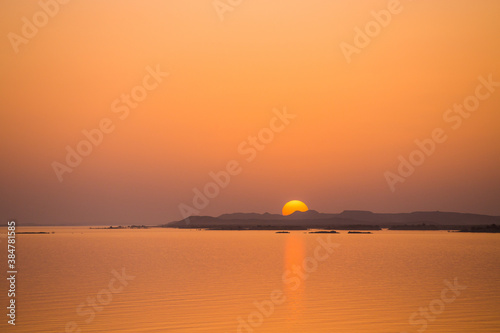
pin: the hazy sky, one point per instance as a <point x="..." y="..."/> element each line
<point x="351" y="114"/>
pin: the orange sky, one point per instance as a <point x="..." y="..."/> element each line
<point x="225" y="78"/>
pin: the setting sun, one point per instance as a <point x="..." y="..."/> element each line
<point x="293" y="206"/>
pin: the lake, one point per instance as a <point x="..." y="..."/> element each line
<point x="167" y="280"/>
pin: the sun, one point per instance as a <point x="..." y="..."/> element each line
<point x="293" y="206"/>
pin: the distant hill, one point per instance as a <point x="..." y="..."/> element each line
<point x="314" y="219"/>
<point x="310" y="215"/>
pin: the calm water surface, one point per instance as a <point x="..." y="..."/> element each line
<point x="254" y="281"/>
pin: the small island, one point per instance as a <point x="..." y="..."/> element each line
<point x="122" y="227"/>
